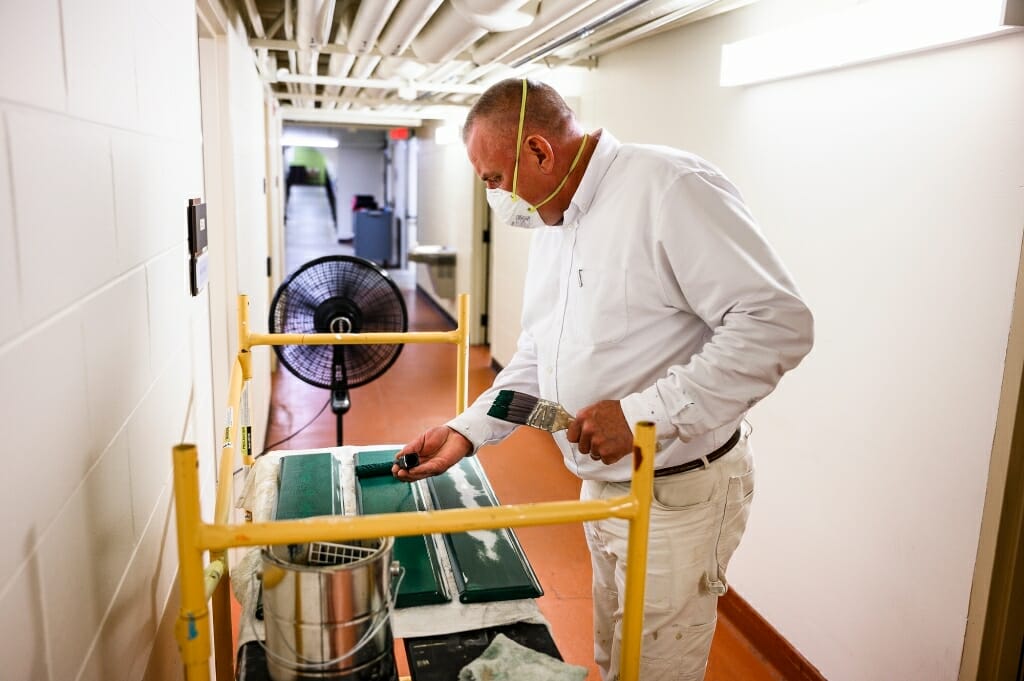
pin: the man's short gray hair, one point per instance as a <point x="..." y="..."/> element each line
<point x="546" y="111"/>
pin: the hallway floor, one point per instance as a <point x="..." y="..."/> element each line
<point x="419" y="392"/>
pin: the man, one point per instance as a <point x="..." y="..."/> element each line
<point x="650" y="295"/>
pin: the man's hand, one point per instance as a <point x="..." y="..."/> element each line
<point x="439" y="448"/>
<point x="602" y="432"/>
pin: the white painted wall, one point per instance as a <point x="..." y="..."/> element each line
<point x="893" y="193"/>
<point x="358" y="168"/>
<point x="446" y="212"/>
<point x="105" y="359"/>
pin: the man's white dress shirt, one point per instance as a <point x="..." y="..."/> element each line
<point x="658" y="290"/>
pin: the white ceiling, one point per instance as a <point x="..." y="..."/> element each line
<point x="396" y="62"/>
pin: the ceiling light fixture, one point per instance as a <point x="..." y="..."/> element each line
<point x="298" y="139"/>
<point x="862" y="33"/>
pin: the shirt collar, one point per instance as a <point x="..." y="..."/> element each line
<point x="604" y="153"/>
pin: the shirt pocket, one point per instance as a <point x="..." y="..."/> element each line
<point x="598" y="305"/>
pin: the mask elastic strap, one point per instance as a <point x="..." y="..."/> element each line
<point x="519" y="140"/>
<point x="565" y="179"/>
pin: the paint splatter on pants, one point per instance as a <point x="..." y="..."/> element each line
<point x="697" y="520"/>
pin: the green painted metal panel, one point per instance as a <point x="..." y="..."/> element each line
<point x="378" y="492"/>
<point x="489" y="565"/>
<point x="308" y="485"/>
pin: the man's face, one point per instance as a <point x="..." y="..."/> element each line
<point x="492" y="155"/>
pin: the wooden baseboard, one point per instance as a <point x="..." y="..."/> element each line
<point x="767" y="640"/>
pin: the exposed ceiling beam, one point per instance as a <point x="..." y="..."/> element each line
<point x="379" y="84"/>
<point x="368" y="101"/>
<point x="384" y="118"/>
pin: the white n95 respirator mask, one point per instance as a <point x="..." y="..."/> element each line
<point x="508" y="205"/>
<point x="513" y="210"/>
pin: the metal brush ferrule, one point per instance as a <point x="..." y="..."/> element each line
<point x="549" y="416"/>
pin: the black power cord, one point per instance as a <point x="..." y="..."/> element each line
<point x="308" y="424"/>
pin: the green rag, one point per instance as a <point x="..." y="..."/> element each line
<point x="506" y="660"/>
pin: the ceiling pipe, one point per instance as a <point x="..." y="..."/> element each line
<point x="368" y="24"/>
<point x="289" y="34"/>
<point x="364" y="66"/>
<point x="386" y="118"/>
<point x="406" y="22"/>
<point x="338" y="65"/>
<point x="396" y="67"/>
<point x="276" y="26"/>
<point x="579" y="26"/>
<point x="445" y="71"/>
<point x="378" y="83"/>
<point x="633" y="31"/>
<point x="312" y="29"/>
<point x="639" y="16"/>
<point x="449" y="32"/>
<point x="314" y="20"/>
<point x="552" y="12"/>
<point x="257" y="28"/>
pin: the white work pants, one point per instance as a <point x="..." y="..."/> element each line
<point x="697" y="519"/>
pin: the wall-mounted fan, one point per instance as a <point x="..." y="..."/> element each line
<point x="338" y="294"/>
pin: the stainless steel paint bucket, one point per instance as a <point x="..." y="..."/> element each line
<point x="327" y="611"/>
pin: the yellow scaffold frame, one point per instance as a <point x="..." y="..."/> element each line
<point x="199" y="585"/>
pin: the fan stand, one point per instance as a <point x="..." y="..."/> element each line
<point x="339" y="295"/>
<point x="340" y="402"/>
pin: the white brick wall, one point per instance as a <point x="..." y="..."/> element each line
<point x="104" y="356"/>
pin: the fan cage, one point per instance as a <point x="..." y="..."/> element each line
<point x="333" y="288"/>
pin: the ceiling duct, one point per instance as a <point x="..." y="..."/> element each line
<point x="552" y="12"/>
<point x="450" y="32"/>
<point x="494" y="15"/>
<point x="447" y="34"/>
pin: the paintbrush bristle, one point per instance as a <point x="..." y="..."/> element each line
<point x="512" y="406"/>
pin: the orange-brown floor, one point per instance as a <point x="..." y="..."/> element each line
<point x="418" y="392"/>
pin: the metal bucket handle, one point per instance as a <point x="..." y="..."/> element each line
<point x="398" y="572"/>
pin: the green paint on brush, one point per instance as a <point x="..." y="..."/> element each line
<point x="499" y="408"/>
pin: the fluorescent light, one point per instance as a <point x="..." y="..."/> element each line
<point x="299" y="139"/>
<point x="385" y="118"/>
<point x="861" y="33"/>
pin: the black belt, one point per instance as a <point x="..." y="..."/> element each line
<point x="699" y="463"/>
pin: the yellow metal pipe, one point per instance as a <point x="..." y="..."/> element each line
<point x="225" y="469"/>
<point x="243" y="323"/>
<point x="354" y="338"/>
<point x="462" y="363"/>
<point x="641" y="488"/>
<point x="343" y="528"/>
<point x="220" y="606"/>
<point x="192" y="629"/>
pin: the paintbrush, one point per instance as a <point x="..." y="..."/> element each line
<point x="517" y="407"/>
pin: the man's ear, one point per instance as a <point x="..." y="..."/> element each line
<point x="539" y="152"/>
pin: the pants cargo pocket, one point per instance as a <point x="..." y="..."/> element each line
<point x="688" y="654"/>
